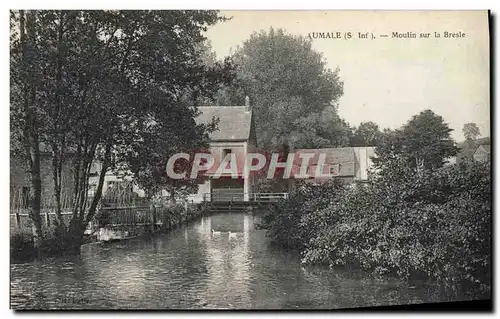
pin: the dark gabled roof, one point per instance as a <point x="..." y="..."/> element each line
<point x="234" y="122"/>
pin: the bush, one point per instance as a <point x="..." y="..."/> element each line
<point x="287" y="222"/>
<point x="20" y="241"/>
<point x="434" y="225"/>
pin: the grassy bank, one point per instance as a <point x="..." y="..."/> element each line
<point x="435" y="226"/>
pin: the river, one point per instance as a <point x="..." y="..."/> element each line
<point x="190" y="267"/>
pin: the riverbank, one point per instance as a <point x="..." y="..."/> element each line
<point x="22" y="246"/>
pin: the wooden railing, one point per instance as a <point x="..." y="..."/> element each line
<point x="239" y="197"/>
<point x="160" y="216"/>
<point x="20" y="220"/>
<point x="268" y="197"/>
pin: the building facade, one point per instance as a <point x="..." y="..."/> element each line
<point x="234" y="138"/>
<point x="347" y="163"/>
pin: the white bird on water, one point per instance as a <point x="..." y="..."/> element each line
<point x="215" y="232"/>
<point x="232" y="235"/>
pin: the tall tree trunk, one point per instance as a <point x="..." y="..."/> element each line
<point x="79" y="223"/>
<point x="98" y="194"/>
<point x="36" y="193"/>
<point x="77" y="170"/>
<point x="30" y="132"/>
<point x="58" y="144"/>
<point x="57" y="177"/>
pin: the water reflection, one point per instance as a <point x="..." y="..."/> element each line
<point x="229" y="270"/>
<point x="191" y="268"/>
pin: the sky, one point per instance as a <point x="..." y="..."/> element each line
<point x="388" y="80"/>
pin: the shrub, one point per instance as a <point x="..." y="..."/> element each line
<point x="287" y="223"/>
<point x="434" y="225"/>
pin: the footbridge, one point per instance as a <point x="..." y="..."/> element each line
<point x="227" y="202"/>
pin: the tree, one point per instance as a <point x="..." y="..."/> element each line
<point x="320" y="130"/>
<point x="471" y="131"/>
<point x="25" y="116"/>
<point x="422" y="143"/>
<point x="469" y="146"/>
<point x="207" y="56"/>
<point x="95" y="80"/>
<point x="366" y="134"/>
<point x="147" y="157"/>
<point x="288" y="84"/>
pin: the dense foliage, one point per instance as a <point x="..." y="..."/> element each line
<point x="424" y="142"/>
<point x="293" y="94"/>
<point x="109" y="86"/>
<point x="366" y="134"/>
<point x="434" y="226"/>
<point x="431" y="222"/>
<point x="288" y="223"/>
<point x="471" y="131"/>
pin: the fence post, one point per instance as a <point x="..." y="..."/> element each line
<point x="47" y="220"/>
<point x="18" y="220"/>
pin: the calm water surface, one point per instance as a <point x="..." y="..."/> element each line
<point x="191" y="268"/>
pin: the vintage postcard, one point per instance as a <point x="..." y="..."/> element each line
<point x="216" y="160"/>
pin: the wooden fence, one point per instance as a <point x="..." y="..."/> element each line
<point x="20" y="220"/>
<point x="116" y="217"/>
